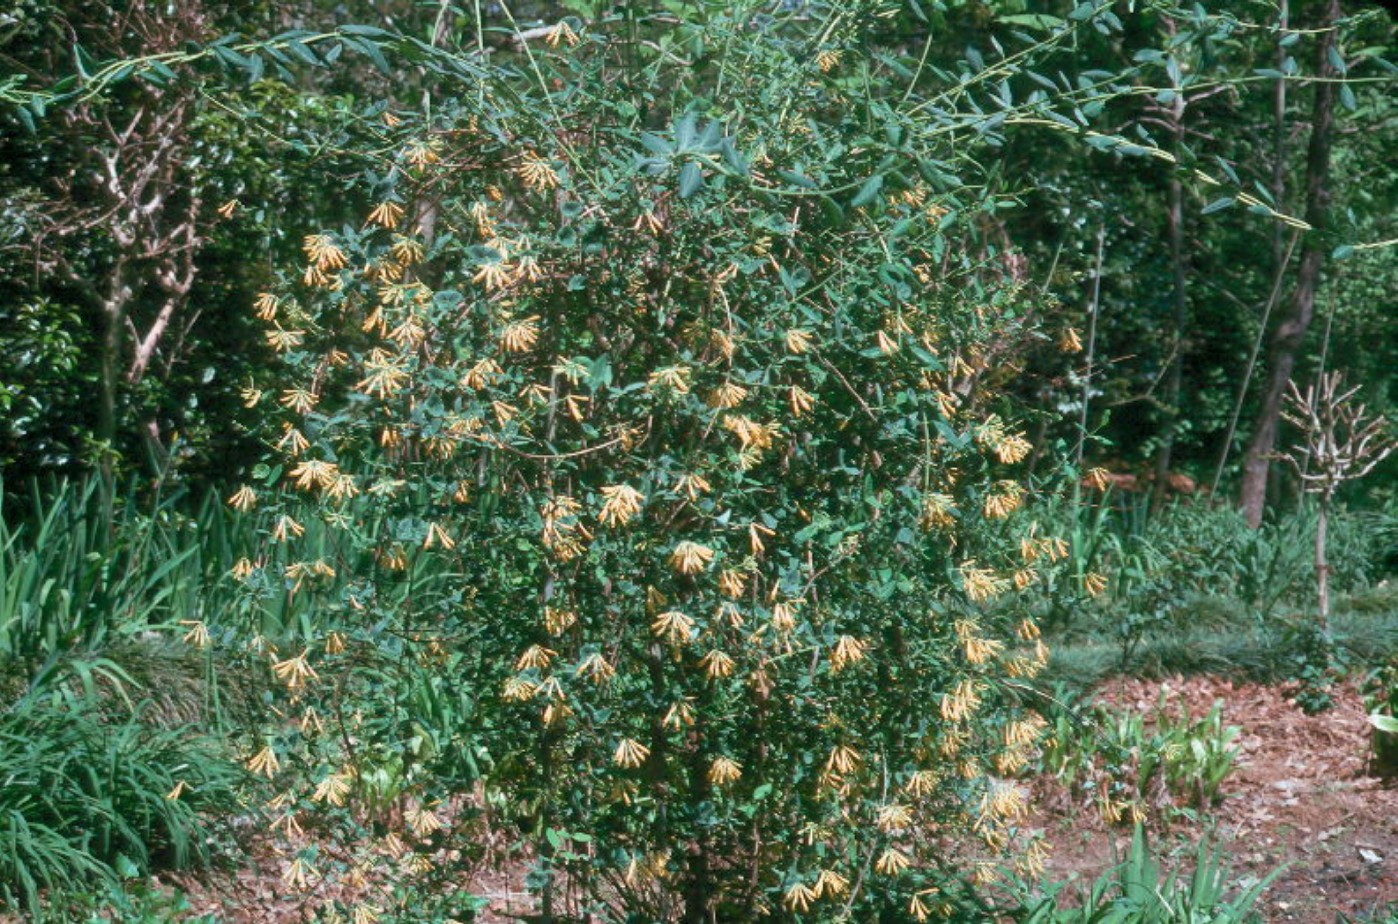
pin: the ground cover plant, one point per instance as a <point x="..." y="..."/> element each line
<point x="111" y="767"/>
<point x="1136" y="891"/>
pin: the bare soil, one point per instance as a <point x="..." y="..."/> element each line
<point x="1299" y="797"/>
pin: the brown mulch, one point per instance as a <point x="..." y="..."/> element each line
<point x="1300" y="795"/>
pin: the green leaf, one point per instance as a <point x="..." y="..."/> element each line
<point x="81" y="59"/>
<point x="685" y="132"/>
<point x="868" y="191"/>
<point x="691" y="180"/>
<point x="831" y="211"/>
<point x="371" y="51"/>
<point x="366" y="31"/>
<point x="1039" y="21"/>
<point x="797" y="179"/>
<point x="656" y="144"/>
<point x="1337" y="60"/>
<point x="230" y="57"/>
<point x="1218" y="205"/>
<point x="1384" y="723"/>
<point x="302" y="51"/>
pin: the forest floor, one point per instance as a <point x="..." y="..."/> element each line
<point x="1298" y="799"/>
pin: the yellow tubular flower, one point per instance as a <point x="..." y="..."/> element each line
<point x="386" y="215"/>
<point x="848" y="650"/>
<point x="622" y="502"/>
<point x="673" y="626"/>
<point x="831" y="884"/>
<point x="732" y="582"/>
<point x="802" y="401"/>
<point x="690" y="557"/>
<point x="892" y="862"/>
<point x="264" y="763"/>
<point x="198" y="634"/>
<point x="520" y="336"/>
<point x="535" y="656"/>
<point x="538" y="174"/>
<point x="798" y="341"/>
<point x="843" y="759"/>
<point x="630" y="753"/>
<point x="724" y="770"/>
<point x="295" y="672"/>
<point x="596" y="668"/>
<point x="243" y="500"/>
<point x="799" y="897"/>
<point x="728" y="395"/>
<point x="717" y="664"/>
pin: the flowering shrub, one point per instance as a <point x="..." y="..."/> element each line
<point x="651" y="417"/>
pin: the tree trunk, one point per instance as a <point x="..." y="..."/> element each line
<point x="113" y="307"/>
<point x="1279" y="141"/>
<point x="1175" y="376"/>
<point x="1290" y="334"/>
<point x="1322" y="564"/>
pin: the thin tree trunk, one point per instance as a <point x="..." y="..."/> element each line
<point x="1291" y="329"/>
<point x="1322" y="564"/>
<point x="113" y="307"/>
<point x="1279" y="142"/>
<point x="1174" y="378"/>
<point x="698" y="881"/>
<point x="429" y="207"/>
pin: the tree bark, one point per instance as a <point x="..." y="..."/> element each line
<point x="1286" y="341"/>
<point x="113" y="307"/>
<point x="1322" y="564"/>
<point x="1175" y="376"/>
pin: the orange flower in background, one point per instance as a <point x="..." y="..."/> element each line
<point x="630" y="753"/>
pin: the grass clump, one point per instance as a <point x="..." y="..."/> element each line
<point x="90" y="798"/>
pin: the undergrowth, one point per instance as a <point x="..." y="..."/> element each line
<point x="96" y="792"/>
<point x="108" y="757"/>
<point x="1195" y="591"/>
<point x="1136" y="891"/>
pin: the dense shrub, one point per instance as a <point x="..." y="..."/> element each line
<point x="653" y="418"/>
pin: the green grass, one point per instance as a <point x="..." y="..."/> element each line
<point x="102" y="717"/>
<point x="93" y="793"/>
<point x="78" y="574"/>
<point x="1195" y="591"/>
<point x="1367" y="634"/>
